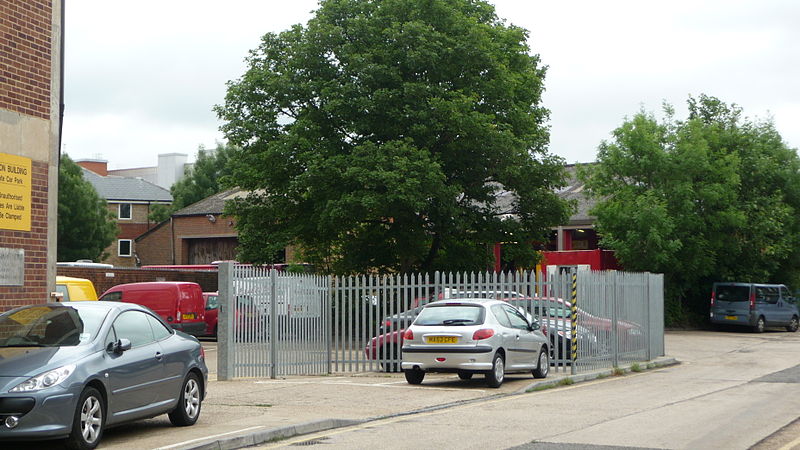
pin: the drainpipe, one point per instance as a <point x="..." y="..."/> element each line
<point x="172" y="237"/>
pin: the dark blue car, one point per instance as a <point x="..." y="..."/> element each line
<point x="70" y="370"/>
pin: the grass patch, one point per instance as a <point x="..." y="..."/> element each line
<point x="566" y="381"/>
<point x="542" y="387"/>
<point x="635" y="367"/>
<point x="617" y="372"/>
<point x="651" y="365"/>
<point x="600" y="376"/>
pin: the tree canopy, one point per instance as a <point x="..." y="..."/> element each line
<point x="85" y="225"/>
<point x="392" y="136"/>
<point x="202" y="180"/>
<point x="710" y="198"/>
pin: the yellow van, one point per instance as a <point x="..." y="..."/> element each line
<point x="75" y="289"/>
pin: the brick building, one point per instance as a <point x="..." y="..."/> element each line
<point x="31" y="37"/>
<point x="130" y="200"/>
<point x="196" y="234"/>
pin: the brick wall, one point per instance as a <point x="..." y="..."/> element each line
<point x="34" y="243"/>
<point x="129" y="229"/>
<point x="208" y="280"/>
<point x="25" y="40"/>
<point x="155" y="248"/>
<point x="27" y="83"/>
<point x="193" y="227"/>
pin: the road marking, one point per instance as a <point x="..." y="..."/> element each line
<point x="179" y="444"/>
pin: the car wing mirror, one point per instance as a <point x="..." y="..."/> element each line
<point x="120" y="346"/>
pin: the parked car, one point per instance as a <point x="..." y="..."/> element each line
<point x="753" y="305"/>
<point x="211" y="300"/>
<point x="179" y="303"/>
<point x="469" y="336"/>
<point x="71" y="370"/>
<point x="72" y="289"/>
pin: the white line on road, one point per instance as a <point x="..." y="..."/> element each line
<point x="179" y="444"/>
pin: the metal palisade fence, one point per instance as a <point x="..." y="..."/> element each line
<point x="321" y="324"/>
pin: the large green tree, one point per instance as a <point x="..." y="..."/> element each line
<point x="201" y="180"/>
<point x="392" y="135"/>
<point x="85" y="225"/>
<point x="710" y="198"/>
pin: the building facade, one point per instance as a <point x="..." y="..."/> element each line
<point x="130" y="200"/>
<point x="30" y="127"/>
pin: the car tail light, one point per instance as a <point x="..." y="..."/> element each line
<point x="712" y="298"/>
<point x="387" y="323"/>
<point x="544" y="328"/>
<point x="483" y="333"/>
<point x="178" y="317"/>
<point x="752" y="300"/>
<point x="408" y="335"/>
<point x="202" y="352"/>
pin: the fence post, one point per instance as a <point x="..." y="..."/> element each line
<point x="328" y="311"/>
<point x="649" y="320"/>
<point x="574" y="325"/>
<point x="614" y="337"/>
<point x="225" y="352"/>
<point x="273" y="322"/>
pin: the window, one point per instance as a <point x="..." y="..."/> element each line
<point x="134" y="326"/>
<point x="501" y="316"/>
<point x="125" y="211"/>
<point x="517" y="320"/>
<point x="124" y="247"/>
<point x="159" y="330"/>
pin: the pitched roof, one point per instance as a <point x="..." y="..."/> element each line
<point x="116" y="189"/>
<point x="213" y="204"/>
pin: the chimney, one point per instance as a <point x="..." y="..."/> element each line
<point x="98" y="166"/>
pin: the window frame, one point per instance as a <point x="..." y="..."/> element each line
<point x="130" y="248"/>
<point x="130" y="211"/>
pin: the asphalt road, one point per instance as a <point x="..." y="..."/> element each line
<point x="733" y="390"/>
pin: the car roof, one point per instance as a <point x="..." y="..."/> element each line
<point x="461" y="301"/>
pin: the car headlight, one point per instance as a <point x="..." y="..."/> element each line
<point x="45" y="380"/>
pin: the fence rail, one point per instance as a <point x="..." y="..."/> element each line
<point x="274" y="324"/>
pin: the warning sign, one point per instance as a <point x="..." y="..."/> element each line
<point x="15" y="192"/>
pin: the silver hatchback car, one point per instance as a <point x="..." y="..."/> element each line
<point x="469" y="336"/>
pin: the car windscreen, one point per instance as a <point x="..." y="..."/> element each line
<point x="451" y="315"/>
<point x="50" y="326"/>
<point x="730" y="293"/>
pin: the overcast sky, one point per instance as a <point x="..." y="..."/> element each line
<point x="141" y="77"/>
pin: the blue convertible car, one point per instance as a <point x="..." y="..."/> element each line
<point x="70" y="370"/>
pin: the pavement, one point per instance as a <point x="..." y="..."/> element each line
<point x="247" y="412"/>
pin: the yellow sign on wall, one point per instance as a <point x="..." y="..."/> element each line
<point x="15" y="192"/>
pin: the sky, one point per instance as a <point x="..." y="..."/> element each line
<point x="141" y="78"/>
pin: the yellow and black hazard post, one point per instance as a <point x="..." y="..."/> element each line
<point x="574" y="321"/>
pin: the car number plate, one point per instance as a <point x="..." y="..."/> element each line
<point x="187" y="316"/>
<point x="442" y="339"/>
<point x="731" y="318"/>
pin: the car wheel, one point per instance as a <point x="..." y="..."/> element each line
<point x="543" y="366"/>
<point x="187" y="410"/>
<point x="465" y="375"/>
<point x="414" y="376"/>
<point x="793" y="325"/>
<point x="760" y="325"/>
<point x="495" y="376"/>
<point x="89" y="420"/>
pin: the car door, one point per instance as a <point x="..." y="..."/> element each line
<point x="769" y="308"/>
<point x="786" y="305"/>
<point x="525" y="347"/>
<point x="175" y="359"/>
<point x="133" y="374"/>
<point x="508" y="333"/>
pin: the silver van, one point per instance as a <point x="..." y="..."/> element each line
<point x="754" y="305"/>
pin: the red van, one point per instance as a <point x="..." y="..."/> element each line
<point x="180" y="303"/>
